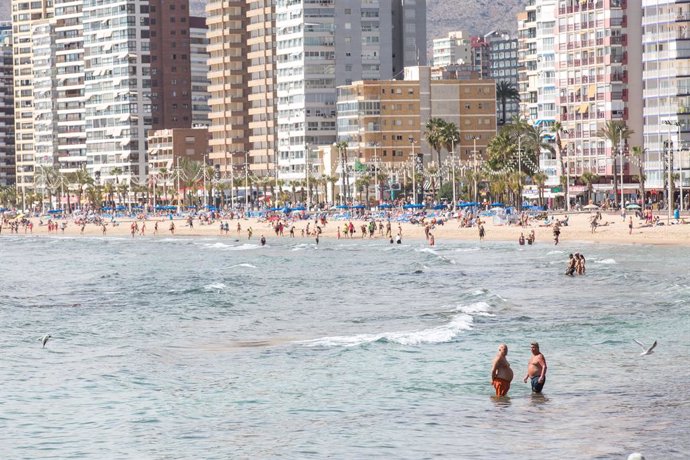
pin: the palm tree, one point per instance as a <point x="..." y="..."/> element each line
<point x="434" y="135"/>
<point x="450" y="137"/>
<point x="589" y="178"/>
<point x="639" y="153"/>
<point x="83" y="179"/>
<point x="505" y="91"/>
<point x="616" y="132"/>
<point x="540" y="178"/>
<point x="557" y="130"/>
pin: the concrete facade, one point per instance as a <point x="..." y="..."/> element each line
<point x="7" y="162"/>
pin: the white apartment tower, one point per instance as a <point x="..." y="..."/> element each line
<point x="24" y="15"/>
<point x="323" y="44"/>
<point x="666" y="74"/>
<point x="527" y="57"/>
<point x="198" y="56"/>
<point x="7" y="168"/>
<point x="546" y="63"/>
<point x="452" y="49"/>
<point x="117" y="88"/>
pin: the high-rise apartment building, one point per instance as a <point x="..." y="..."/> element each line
<point x="171" y="98"/>
<point x="24" y="16"/>
<point x="241" y="46"/>
<point x="666" y="74"/>
<point x="453" y="49"/>
<point x="117" y="88"/>
<point x="503" y="67"/>
<point x="325" y="44"/>
<point x="7" y="167"/>
<point x="384" y="121"/>
<point x="546" y="109"/>
<point x="198" y="56"/>
<point x="527" y="57"/>
<point x="409" y="32"/>
<point x="599" y="79"/>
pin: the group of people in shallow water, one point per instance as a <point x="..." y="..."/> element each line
<point x="576" y="264"/>
<point x="502" y="374"/>
<point x="530" y="238"/>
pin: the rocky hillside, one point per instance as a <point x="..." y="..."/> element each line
<point x="474" y="16"/>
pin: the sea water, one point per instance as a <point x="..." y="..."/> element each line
<point x="220" y="348"/>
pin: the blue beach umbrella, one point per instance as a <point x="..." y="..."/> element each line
<point x="385" y="206"/>
<point x="341" y="206"/>
<point x="440" y="206"/>
<point x="299" y="208"/>
<point x="357" y="206"/>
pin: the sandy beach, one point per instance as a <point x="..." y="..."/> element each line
<point x="614" y="230"/>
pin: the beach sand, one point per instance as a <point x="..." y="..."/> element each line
<point x="614" y="231"/>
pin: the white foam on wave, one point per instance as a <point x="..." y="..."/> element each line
<point x="215" y="286"/>
<point x="435" y="253"/>
<point x="243" y="266"/>
<point x="477" y="309"/>
<point x="230" y="247"/>
<point x="438" y="334"/>
<point x="556" y="252"/>
<point x="606" y="261"/>
<point x="467" y="249"/>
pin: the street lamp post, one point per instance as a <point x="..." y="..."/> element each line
<point x="452" y="156"/>
<point x="246" y="183"/>
<point x="414" y="172"/>
<point x="376" y="174"/>
<point x="520" y="172"/>
<point x="474" y="167"/>
<point x="669" y="153"/>
<point x="307" y="172"/>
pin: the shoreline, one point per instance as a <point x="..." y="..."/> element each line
<point x="614" y="231"/>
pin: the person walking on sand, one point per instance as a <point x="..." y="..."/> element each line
<point x="482" y="232"/>
<point x="501" y="373"/>
<point x="536" y="369"/>
<point x="630" y="226"/>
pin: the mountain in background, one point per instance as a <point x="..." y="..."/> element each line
<point x="476" y="17"/>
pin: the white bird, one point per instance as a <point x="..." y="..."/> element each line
<point x="647" y="351"/>
<point x="45" y="339"/>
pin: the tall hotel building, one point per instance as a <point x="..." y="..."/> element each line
<point x="323" y="44"/>
<point x="269" y="115"/>
<point x="241" y="77"/>
<point x="7" y="168"/>
<point x="24" y="15"/>
<point x="117" y="88"/>
<point x="599" y="78"/>
<point x="666" y="61"/>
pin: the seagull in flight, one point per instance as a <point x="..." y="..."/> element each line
<point x="45" y="339"/>
<point x="647" y="351"/>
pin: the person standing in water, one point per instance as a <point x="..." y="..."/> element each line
<point x="536" y="369"/>
<point x="501" y="373"/>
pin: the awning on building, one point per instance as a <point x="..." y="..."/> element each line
<point x="584" y="108"/>
<point x="592" y="91"/>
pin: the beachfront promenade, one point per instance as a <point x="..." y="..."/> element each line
<point x="612" y="229"/>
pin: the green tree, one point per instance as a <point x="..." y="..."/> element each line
<point x="505" y="92"/>
<point x="557" y="130"/>
<point x="617" y="133"/>
<point x="639" y="154"/>
<point x="589" y="178"/>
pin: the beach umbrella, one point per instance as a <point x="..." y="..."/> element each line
<point x="440" y="206"/>
<point x="299" y="208"/>
<point x="357" y="206"/>
<point x="590" y="207"/>
<point x="413" y="206"/>
<point x="55" y="211"/>
<point x="120" y="208"/>
<point x="632" y="206"/>
<point x="385" y="206"/>
<point x="468" y="204"/>
<point x="497" y="205"/>
<point x="341" y="206"/>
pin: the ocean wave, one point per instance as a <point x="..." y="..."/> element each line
<point x="243" y="266"/>
<point x="555" y="252"/>
<point x="215" y="286"/>
<point x="433" y="252"/>
<point x="468" y="249"/>
<point x="439" y="334"/>
<point x="230" y="247"/>
<point x="477" y="308"/>
<point x="606" y="261"/>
